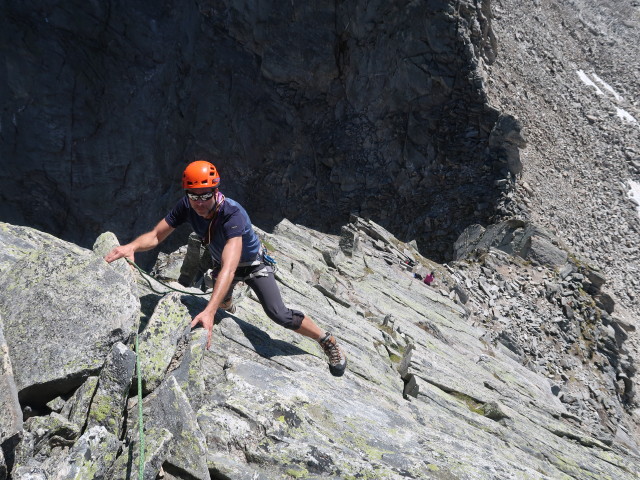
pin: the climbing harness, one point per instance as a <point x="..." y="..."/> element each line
<point x="263" y="257"/>
<point x="270" y="266"/>
<point x="241" y="274"/>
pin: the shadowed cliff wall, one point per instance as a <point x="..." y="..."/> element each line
<point x="311" y="110"/>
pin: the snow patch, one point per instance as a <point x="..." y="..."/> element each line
<point x="634" y="194"/>
<point x="607" y="87"/>
<point x="625" y="116"/>
<point x="621" y="113"/>
<point x="587" y="81"/>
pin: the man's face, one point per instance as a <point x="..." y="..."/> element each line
<point x="199" y="201"/>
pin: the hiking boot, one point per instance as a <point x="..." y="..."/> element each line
<point x="337" y="358"/>
<point x="228" y="306"/>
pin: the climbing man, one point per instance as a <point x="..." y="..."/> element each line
<point x="223" y="225"/>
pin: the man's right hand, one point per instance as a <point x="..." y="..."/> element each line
<point x="144" y="242"/>
<point x="126" y="251"/>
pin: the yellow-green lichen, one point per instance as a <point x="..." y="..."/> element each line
<point x="372" y="453"/>
<point x="269" y="246"/>
<point x="100" y="409"/>
<point x="297" y="473"/>
<point x="472" y="404"/>
<point x="88" y="469"/>
<point x="395" y="358"/>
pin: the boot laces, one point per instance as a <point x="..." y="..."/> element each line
<point x="331" y="349"/>
<point x="228" y="306"/>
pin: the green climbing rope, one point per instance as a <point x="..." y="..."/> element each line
<point x="147" y="278"/>
<point x="140" y="424"/>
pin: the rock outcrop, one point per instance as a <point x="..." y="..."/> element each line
<point x="452" y="380"/>
<point x="62" y="310"/>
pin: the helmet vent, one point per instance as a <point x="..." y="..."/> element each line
<point x="200" y="174"/>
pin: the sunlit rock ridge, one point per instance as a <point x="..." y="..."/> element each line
<point x="436" y="387"/>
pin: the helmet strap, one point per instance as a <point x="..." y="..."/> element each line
<point x="214" y="216"/>
<point x="218" y="198"/>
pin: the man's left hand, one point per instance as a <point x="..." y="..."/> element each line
<point x="206" y="319"/>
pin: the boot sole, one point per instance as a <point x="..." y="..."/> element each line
<point x="338" y="371"/>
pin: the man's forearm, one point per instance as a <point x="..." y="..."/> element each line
<point x="146" y="241"/>
<point x="152" y="238"/>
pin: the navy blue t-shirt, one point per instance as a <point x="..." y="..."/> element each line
<point x="232" y="221"/>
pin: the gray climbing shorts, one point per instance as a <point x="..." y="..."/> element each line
<point x="261" y="280"/>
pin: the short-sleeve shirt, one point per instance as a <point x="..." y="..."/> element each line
<point x="232" y="221"/>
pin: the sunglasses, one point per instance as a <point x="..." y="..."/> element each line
<point x="203" y="197"/>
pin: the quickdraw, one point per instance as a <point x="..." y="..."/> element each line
<point x="269" y="260"/>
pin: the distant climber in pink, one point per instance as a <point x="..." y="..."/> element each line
<point x="429" y="278"/>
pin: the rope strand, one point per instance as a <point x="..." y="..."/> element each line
<point x="146" y="277"/>
<point x="140" y="421"/>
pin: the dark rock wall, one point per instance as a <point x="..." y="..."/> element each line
<point x="311" y="110"/>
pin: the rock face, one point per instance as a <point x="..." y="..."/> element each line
<point x="323" y="108"/>
<point x="519" y="361"/>
<point x="514" y="237"/>
<point x="10" y="410"/>
<point x="52" y="296"/>
<point x="501" y="368"/>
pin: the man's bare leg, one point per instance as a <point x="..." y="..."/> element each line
<point x="308" y="328"/>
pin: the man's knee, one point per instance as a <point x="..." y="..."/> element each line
<point x="289" y="319"/>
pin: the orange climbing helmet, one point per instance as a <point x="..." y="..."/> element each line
<point x="200" y="174"/>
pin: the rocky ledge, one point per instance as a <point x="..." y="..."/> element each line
<point x="511" y="364"/>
